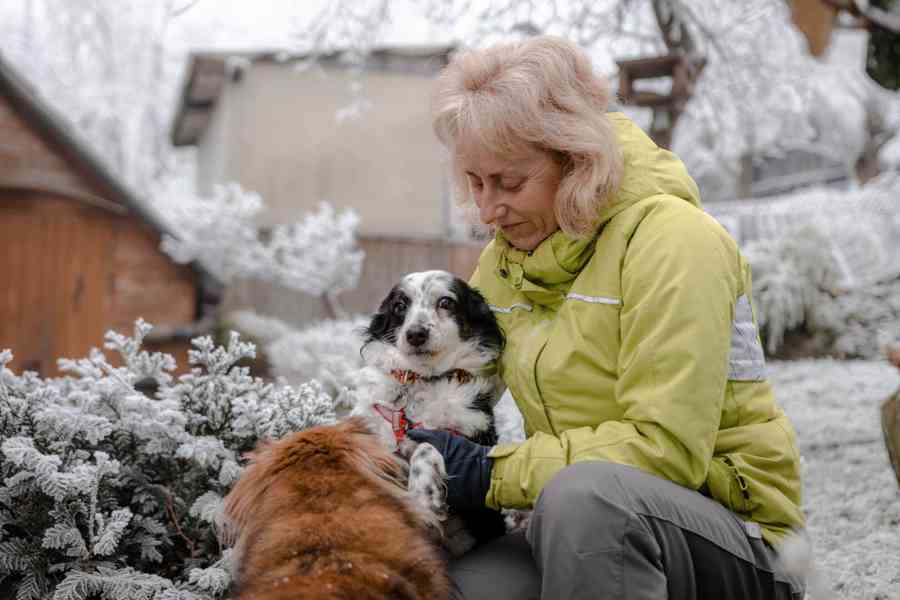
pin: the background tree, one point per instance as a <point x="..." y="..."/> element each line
<point x="109" y="66"/>
<point x="760" y="94"/>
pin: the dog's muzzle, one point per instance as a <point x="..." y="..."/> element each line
<point x="416" y="336"/>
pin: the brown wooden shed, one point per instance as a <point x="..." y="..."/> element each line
<point x="80" y="251"/>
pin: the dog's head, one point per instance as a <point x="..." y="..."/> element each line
<point x="432" y="322"/>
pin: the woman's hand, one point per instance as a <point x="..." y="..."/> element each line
<point x="467" y="463"/>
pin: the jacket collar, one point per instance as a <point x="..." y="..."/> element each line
<point x="545" y="274"/>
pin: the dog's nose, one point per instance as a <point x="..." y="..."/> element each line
<point x="416" y="336"/>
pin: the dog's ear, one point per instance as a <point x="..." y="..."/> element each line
<point x="382" y="323"/>
<point x="477" y="320"/>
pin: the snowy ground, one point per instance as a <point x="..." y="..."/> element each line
<point x="852" y="497"/>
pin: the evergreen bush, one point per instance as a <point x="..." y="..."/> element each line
<point x="108" y="492"/>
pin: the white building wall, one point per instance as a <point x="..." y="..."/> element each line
<point x="275" y="131"/>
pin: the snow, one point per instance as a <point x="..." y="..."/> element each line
<point x="852" y="499"/>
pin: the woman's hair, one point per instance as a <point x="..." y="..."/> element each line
<point x="540" y="93"/>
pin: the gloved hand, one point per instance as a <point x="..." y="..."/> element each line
<point x="467" y="463"/>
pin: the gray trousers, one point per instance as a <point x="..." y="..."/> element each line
<point x="603" y="530"/>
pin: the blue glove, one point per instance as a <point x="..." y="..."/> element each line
<point x="467" y="463"/>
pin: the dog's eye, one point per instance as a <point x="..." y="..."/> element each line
<point x="446" y="303"/>
<point x="399" y="309"/>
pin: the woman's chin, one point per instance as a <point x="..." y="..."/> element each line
<point x="526" y="243"/>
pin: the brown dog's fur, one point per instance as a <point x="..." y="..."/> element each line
<point x="322" y="514"/>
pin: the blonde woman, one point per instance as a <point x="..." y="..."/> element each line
<point x="657" y="462"/>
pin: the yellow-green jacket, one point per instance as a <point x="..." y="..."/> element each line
<point x="639" y="347"/>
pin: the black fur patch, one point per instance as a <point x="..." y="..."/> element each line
<point x="474" y="317"/>
<point x="389" y="317"/>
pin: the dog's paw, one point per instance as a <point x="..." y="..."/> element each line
<point x="427" y="480"/>
<point x="406" y="447"/>
<point x="516" y="520"/>
<point x="457" y="538"/>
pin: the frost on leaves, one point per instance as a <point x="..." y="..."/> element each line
<point x="107" y="492"/>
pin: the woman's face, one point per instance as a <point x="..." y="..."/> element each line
<point x="515" y="194"/>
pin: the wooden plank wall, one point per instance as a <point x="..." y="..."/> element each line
<point x="72" y="272"/>
<point x="387" y="260"/>
<point x="54" y="273"/>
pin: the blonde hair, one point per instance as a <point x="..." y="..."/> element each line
<point x="540" y="93"/>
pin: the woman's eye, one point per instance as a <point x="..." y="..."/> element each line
<point x="512" y="186"/>
<point x="399" y="309"/>
<point x="446" y="303"/>
<point x="475" y="182"/>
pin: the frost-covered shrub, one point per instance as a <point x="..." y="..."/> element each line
<point x="327" y="351"/>
<point x="106" y="492"/>
<point x="317" y="255"/>
<point x="790" y="276"/>
<point x="835" y="275"/>
<point x="861" y="321"/>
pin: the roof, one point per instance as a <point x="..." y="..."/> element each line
<point x="26" y="101"/>
<point x="209" y="71"/>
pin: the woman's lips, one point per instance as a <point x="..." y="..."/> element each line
<point x="511" y="226"/>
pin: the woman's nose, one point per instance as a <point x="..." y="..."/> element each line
<point x="489" y="210"/>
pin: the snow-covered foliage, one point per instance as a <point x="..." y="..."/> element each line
<point x="764" y="97"/>
<point x="327" y="351"/>
<point x="825" y="260"/>
<point x="108" y="492"/>
<point x="317" y="256"/>
<point x="109" y="67"/>
<point x="792" y="276"/>
<point x="794" y="287"/>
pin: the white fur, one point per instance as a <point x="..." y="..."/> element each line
<point x="442" y="404"/>
<point x="433" y="401"/>
<point x="796" y="555"/>
<point x="439" y="404"/>
<point x="444" y="350"/>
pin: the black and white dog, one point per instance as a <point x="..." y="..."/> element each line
<point x="431" y="352"/>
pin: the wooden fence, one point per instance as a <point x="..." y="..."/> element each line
<point x="387" y="260"/>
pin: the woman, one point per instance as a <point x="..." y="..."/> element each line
<point x="656" y="460"/>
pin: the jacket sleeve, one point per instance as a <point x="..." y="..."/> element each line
<point x="680" y="279"/>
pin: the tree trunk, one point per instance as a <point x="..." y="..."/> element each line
<point x="334" y="307"/>
<point x="745" y="177"/>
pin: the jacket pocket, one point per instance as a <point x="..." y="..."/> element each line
<point x="728" y="486"/>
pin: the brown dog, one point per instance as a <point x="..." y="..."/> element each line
<point x="324" y="514"/>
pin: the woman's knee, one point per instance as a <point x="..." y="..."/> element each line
<point x="583" y="488"/>
<point x="581" y="521"/>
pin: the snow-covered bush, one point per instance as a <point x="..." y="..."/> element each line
<point x="790" y="276"/>
<point x="108" y="492"/>
<point x="327" y="351"/>
<point x="833" y="270"/>
<point x="317" y="256"/>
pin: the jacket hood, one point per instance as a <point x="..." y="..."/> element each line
<point x="648" y="170"/>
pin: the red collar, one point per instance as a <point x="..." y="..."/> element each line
<point x="399" y="423"/>
<point x="407" y="376"/>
